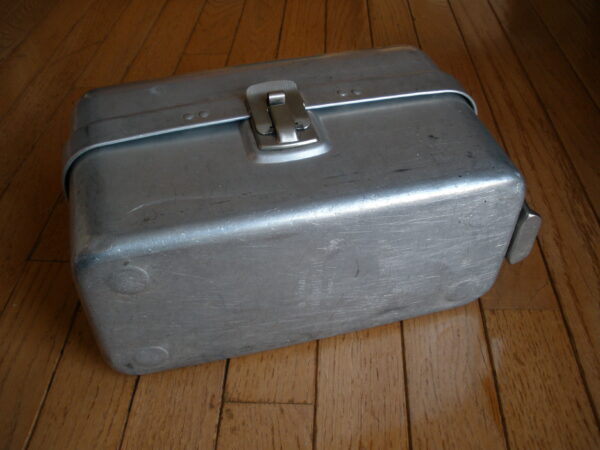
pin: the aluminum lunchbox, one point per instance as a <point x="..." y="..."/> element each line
<point x="244" y="209"/>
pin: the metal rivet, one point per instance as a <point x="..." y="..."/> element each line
<point x="129" y="280"/>
<point x="342" y="93"/>
<point x="151" y="356"/>
<point x="203" y="114"/>
<point x="188" y="116"/>
<point x="356" y="91"/>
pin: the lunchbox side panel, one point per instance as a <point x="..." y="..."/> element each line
<point x="308" y="281"/>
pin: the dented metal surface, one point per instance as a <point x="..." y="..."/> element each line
<point x="188" y="248"/>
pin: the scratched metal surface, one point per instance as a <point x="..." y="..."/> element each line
<point x="186" y="250"/>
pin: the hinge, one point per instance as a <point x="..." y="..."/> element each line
<point x="279" y="117"/>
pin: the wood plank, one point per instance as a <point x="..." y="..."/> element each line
<point x="185" y="402"/>
<point x="18" y="21"/>
<point x="285" y="375"/>
<point x="182" y="405"/>
<point x="260" y="427"/>
<point x="87" y="403"/>
<point x="258" y="32"/>
<point x="522" y="286"/>
<point x="18" y="70"/>
<point x="536" y="367"/>
<point x="28" y="201"/>
<point x="27" y="121"/>
<point x="438" y="399"/>
<point x="391" y="23"/>
<point x="578" y="40"/>
<point x="347" y="25"/>
<point x="212" y="37"/>
<point x="589" y="10"/>
<point x="29" y="117"/>
<point x="452" y="397"/>
<point x="162" y="50"/>
<point x="83" y="394"/>
<point x="570" y="235"/>
<point x="361" y="392"/>
<point x="574" y="114"/>
<point x="361" y="400"/>
<point x="53" y="244"/>
<point x="33" y="327"/>
<point x="122" y="44"/>
<point x="303" y="32"/>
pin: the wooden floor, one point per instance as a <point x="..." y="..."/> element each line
<point x="517" y="369"/>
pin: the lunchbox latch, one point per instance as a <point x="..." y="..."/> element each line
<point x="279" y="118"/>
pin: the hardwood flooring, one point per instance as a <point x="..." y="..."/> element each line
<point x="517" y="369"/>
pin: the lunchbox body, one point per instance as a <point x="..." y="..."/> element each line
<point x="193" y="240"/>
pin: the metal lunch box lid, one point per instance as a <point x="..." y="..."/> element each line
<point x="134" y="111"/>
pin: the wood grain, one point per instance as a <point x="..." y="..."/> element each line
<point x="552" y="182"/>
<point x="87" y="403"/>
<point x="31" y="56"/>
<point x="522" y="286"/>
<point x="577" y="39"/>
<point x="535" y="366"/>
<point x="18" y="21"/>
<point x="303" y="32"/>
<point x="285" y="375"/>
<point x="166" y="41"/>
<point x="28" y="201"/>
<point x="122" y="44"/>
<point x="361" y="393"/>
<point x="531" y="364"/>
<point x="176" y="409"/>
<point x="258" y="32"/>
<point x="255" y="426"/>
<point x="211" y="40"/>
<point x="437" y="372"/>
<point x="452" y="397"/>
<point x="572" y="111"/>
<point x="104" y="392"/>
<point x="33" y="327"/>
<point x="361" y="400"/>
<point x="347" y="25"/>
<point x="53" y="244"/>
<point x="391" y="23"/>
<point x="36" y="185"/>
<point x="589" y="10"/>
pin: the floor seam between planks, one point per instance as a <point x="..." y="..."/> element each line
<point x="405" y="376"/>
<point x="314" y="430"/>
<point x="562" y="51"/>
<point x="242" y="402"/>
<point x="51" y="379"/>
<point x="148" y="33"/>
<point x="571" y="338"/>
<point x="41" y="232"/>
<point x="488" y="346"/>
<point x="235" y="34"/>
<point x="225" y="370"/>
<point x="549" y="120"/>
<point x="129" y="407"/>
<point x="59" y="103"/>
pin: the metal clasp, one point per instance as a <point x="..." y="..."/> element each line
<point x="278" y="115"/>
